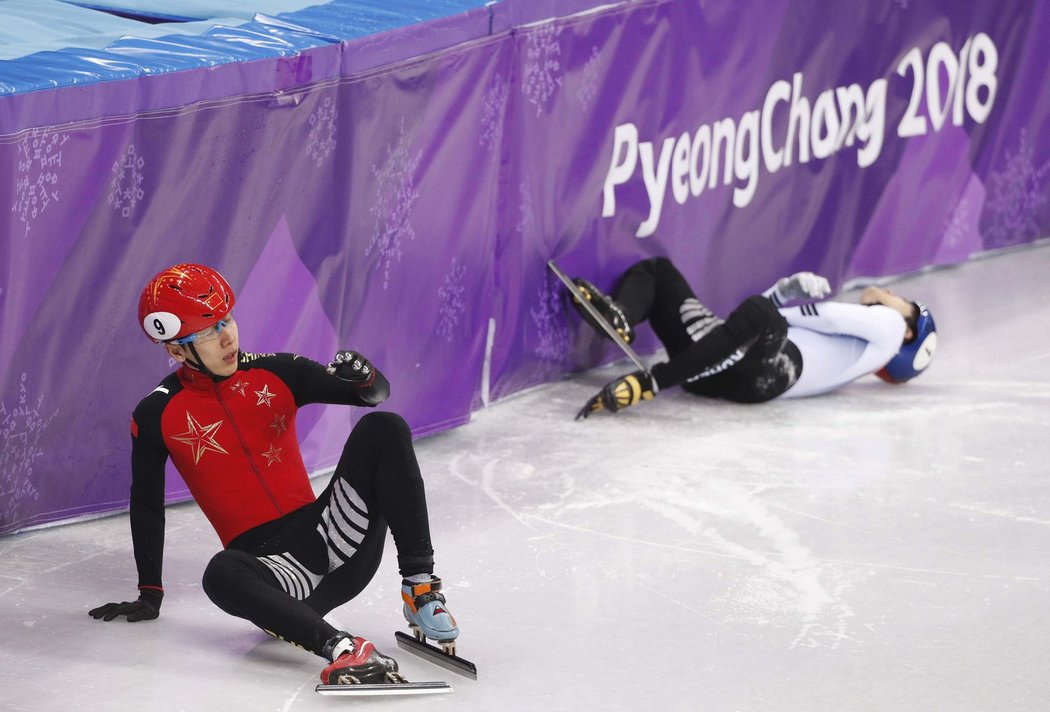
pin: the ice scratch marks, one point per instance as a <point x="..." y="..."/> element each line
<point x="784" y="580"/>
<point x="776" y="581"/>
<point x="980" y="508"/>
<point x="487" y="483"/>
<point x="508" y="484"/>
<point x="289" y="703"/>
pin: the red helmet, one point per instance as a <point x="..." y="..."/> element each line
<point x="182" y="300"/>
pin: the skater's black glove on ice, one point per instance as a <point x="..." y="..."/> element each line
<point x="353" y="367"/>
<point x="146" y="608"/>
<point x="620" y="393"/>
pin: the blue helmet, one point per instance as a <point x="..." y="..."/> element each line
<point x="915" y="355"/>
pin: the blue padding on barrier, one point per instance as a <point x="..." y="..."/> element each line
<point x="185" y="10"/>
<point x="48" y="43"/>
<point x="29" y="26"/>
<point x="358" y="18"/>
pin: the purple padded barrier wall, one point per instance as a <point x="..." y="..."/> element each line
<point x="357" y="211"/>
<point x="397" y="209"/>
<point x="623" y="120"/>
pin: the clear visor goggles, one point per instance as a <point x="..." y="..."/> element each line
<point x="210" y="334"/>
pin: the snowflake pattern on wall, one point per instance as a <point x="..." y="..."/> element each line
<point x="547" y="316"/>
<point x="396" y="196"/>
<point x="1016" y="196"/>
<point x="450" y="297"/>
<point x="320" y="144"/>
<point x="542" y="66"/>
<point x="21" y="429"/>
<point x="526" y="212"/>
<point x="125" y="188"/>
<point x="588" y="88"/>
<point x="39" y="164"/>
<point x="903" y="3"/>
<point x="549" y="320"/>
<point x="956" y="222"/>
<point x="493" y="111"/>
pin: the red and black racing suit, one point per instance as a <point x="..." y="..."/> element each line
<point x="288" y="557"/>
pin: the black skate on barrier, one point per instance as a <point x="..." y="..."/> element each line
<point x="612" y="313"/>
<point x="600" y="320"/>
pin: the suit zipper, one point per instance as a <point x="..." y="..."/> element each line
<point x="247" y="452"/>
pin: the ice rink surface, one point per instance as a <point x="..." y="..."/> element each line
<point x="882" y="548"/>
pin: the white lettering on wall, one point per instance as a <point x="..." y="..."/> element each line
<point x="790" y="127"/>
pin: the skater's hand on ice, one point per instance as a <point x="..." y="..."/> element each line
<point x="146" y="608"/>
<point x="352" y="366"/>
<point x="621" y="393"/>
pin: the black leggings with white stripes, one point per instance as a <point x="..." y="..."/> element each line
<point x="746" y="358"/>
<point x="285" y="575"/>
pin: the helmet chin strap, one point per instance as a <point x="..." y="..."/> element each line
<point x="199" y="363"/>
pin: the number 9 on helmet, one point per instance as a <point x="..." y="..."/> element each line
<point x="915" y="355"/>
<point x="183" y="300"/>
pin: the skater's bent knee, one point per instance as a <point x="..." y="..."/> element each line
<point x="755" y="315"/>
<point x="383" y="421"/>
<point x="229" y="566"/>
<point x="655" y="266"/>
<point x="221" y="571"/>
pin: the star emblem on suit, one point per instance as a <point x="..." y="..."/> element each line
<point x="200" y="438"/>
<point x="279" y="423"/>
<point x="272" y="455"/>
<point x="239" y="386"/>
<point x="264" y="396"/>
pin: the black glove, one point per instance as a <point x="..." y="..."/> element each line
<point x="621" y="393"/>
<point x="146" y="608"/>
<point x="353" y="367"/>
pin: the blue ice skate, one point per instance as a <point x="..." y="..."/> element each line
<point x="427" y="615"/>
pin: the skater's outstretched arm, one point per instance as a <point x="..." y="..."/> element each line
<point x="876" y="324"/>
<point x="349" y="379"/>
<point x="148" y="458"/>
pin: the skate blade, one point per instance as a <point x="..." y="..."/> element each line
<point x="608" y="328"/>
<point x="435" y="655"/>
<point x="385" y="688"/>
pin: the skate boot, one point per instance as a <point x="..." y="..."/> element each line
<point x="610" y="310"/>
<point x="355" y="661"/>
<point x="427" y="615"/>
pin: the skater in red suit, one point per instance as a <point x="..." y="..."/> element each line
<point x="226" y="418"/>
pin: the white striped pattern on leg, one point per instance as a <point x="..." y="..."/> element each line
<point x="296" y="580"/>
<point x="697" y="318"/>
<point x="345" y="521"/>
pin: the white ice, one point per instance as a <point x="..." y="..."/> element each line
<point x="883" y="548"/>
